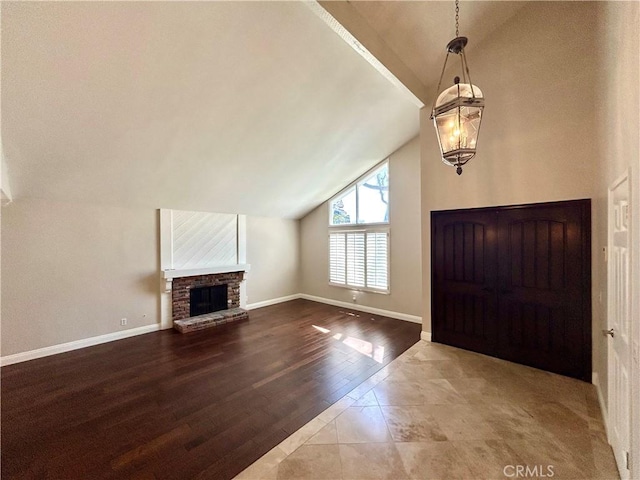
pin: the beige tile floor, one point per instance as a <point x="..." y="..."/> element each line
<point x="438" y="412"/>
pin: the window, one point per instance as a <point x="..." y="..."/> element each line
<point x="359" y="259"/>
<point x="359" y="253"/>
<point x="366" y="202"/>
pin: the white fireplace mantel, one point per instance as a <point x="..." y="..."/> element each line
<point x="192" y="272"/>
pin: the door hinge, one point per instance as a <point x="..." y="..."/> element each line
<point x="628" y="466"/>
<point x="626" y="211"/>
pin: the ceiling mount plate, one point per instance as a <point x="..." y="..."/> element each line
<point x="457" y="45"/>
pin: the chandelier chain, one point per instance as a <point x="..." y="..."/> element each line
<point x="457" y="17"/>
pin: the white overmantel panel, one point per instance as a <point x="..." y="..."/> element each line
<point x="192" y="272"/>
<point x="203" y="239"/>
<point x="193" y="240"/>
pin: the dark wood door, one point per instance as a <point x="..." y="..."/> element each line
<point x="527" y="297"/>
<point x="542" y="276"/>
<point x="466" y="271"/>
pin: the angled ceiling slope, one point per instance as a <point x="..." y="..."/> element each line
<point x="410" y="37"/>
<point x="244" y="107"/>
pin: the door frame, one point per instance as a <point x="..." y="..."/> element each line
<point x="634" y="201"/>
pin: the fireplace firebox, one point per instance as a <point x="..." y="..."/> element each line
<point x="182" y="287"/>
<point x="207" y="299"/>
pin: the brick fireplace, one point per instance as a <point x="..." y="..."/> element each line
<point x="179" y="285"/>
<point x="202" y="257"/>
<point x="180" y="292"/>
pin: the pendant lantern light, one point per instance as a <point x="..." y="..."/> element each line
<point x="457" y="111"/>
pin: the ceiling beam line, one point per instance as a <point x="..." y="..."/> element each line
<point x="344" y="20"/>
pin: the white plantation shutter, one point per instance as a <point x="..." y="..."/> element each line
<point x="337" y="258"/>
<point x="355" y="259"/>
<point x="359" y="259"/>
<point x="377" y="260"/>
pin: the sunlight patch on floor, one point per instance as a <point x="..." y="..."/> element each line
<point x="360" y="346"/>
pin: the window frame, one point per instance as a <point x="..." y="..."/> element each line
<point x="354" y="186"/>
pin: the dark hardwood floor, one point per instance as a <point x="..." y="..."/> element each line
<point x="200" y="405"/>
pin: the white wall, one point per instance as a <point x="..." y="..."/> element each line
<point x="404" y="215"/>
<point x="71" y="271"/>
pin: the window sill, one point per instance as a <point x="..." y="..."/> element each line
<point x="360" y="289"/>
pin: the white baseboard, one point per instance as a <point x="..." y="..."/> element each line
<point x="110" y="337"/>
<point x="75" y="345"/>
<point x="426" y="336"/>
<point x="595" y="379"/>
<point x="363" y="308"/>
<point x="273" y="301"/>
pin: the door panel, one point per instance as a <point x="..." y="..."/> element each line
<point x="464" y="251"/>
<point x="540" y="277"/>
<point x="514" y="282"/>
<point x="619" y="307"/>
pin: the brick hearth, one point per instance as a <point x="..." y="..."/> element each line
<point x="210" y="320"/>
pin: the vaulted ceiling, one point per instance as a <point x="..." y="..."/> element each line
<point x="243" y="107"/>
<point x="410" y="36"/>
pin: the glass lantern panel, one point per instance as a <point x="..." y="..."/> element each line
<point x="458" y="128"/>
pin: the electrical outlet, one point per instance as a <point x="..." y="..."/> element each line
<point x="123" y="322"/>
<point x="354" y="298"/>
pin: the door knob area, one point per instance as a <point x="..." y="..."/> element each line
<point x="608" y="332"/>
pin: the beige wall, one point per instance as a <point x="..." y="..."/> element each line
<point x="274" y="255"/>
<point x="537" y="141"/>
<point x="404" y="215"/>
<point x="617" y="108"/>
<point x="71" y="271"/>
